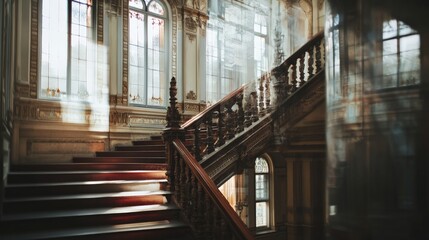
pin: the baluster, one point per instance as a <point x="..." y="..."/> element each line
<point x="217" y="218"/>
<point x="224" y="230"/>
<point x="196" y="148"/>
<point x="220" y="133"/>
<point x="178" y="177"/>
<point x="183" y="184"/>
<point x="208" y="217"/>
<point x="194" y="201"/>
<point x="268" y="93"/>
<point x="240" y="117"/>
<point x="230" y="133"/>
<point x="254" y="107"/>
<point x="210" y="140"/>
<point x="248" y="111"/>
<point x="261" y="97"/>
<point x="301" y="74"/>
<point x="311" y="63"/>
<point x="294" y="69"/>
<point x="200" y="212"/>
<point x="287" y="83"/>
<point x="319" y="50"/>
<point x="322" y="52"/>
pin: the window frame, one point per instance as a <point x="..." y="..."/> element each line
<point x="68" y="96"/>
<point x="269" y="199"/>
<point x="381" y="82"/>
<point x="166" y="17"/>
<point x="220" y="23"/>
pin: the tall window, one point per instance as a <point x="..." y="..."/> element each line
<point x="68" y="56"/>
<point x="262" y="192"/>
<point x="237" y="40"/>
<point x="333" y="65"/>
<point x="147" y="52"/>
<point x="400" y="56"/>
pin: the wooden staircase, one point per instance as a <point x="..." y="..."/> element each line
<point x="122" y="194"/>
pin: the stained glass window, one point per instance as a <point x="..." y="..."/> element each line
<point x="68" y="60"/>
<point x="156" y="8"/>
<point x="261" y="166"/>
<point x="147" y="54"/>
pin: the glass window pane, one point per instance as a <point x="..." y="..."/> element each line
<point x="390" y="29"/>
<point x="261" y="186"/>
<point x="405" y="29"/>
<point x="155" y="7"/>
<point x="261" y="214"/>
<point x="136" y="4"/>
<point x="410" y="43"/>
<point x="54" y="48"/>
<point x="261" y="166"/>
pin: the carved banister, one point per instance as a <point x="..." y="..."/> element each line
<point x="212" y="107"/>
<point x="206" y="190"/>
<point x="300" y="67"/>
<point x="238" y="126"/>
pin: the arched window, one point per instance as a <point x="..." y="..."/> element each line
<point x="68" y="50"/>
<point x="262" y="193"/>
<point x="148" y="63"/>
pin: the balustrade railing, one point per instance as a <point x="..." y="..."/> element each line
<point x="189" y="143"/>
<point x="300" y="67"/>
<point x="202" y="202"/>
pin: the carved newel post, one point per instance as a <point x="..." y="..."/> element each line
<point x="171" y="132"/>
<point x="173" y="115"/>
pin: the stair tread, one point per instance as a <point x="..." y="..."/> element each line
<point x="87" y="165"/>
<point x="58" y="233"/>
<point x="77" y="172"/>
<point x="88" y="196"/>
<point x="85" y="183"/>
<point x="88" y="212"/>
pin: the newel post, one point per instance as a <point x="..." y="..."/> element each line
<point x="171" y="132"/>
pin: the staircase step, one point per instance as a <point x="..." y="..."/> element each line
<point x="89" y="166"/>
<point x="119" y="159"/>
<point x="74" y="176"/>
<point x="166" y="229"/>
<point x="148" y="142"/>
<point x="85" y="201"/>
<point x="88" y="217"/>
<point x="69" y="188"/>
<point x="131" y="154"/>
<point x="156" y="137"/>
<point x="141" y="148"/>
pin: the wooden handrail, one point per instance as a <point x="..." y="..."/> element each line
<point x="212" y="107"/>
<point x="239" y="228"/>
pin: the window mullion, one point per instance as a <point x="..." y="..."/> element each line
<point x="146" y="58"/>
<point x="69" y="35"/>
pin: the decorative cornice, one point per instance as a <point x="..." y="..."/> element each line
<point x="191" y="95"/>
<point x="42" y="111"/>
<point x="191" y="107"/>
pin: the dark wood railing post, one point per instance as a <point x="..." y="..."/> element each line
<point x="171" y="132"/>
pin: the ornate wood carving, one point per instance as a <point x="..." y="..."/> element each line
<point x="34" y="54"/>
<point x="100" y="22"/>
<point x="125" y="27"/>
